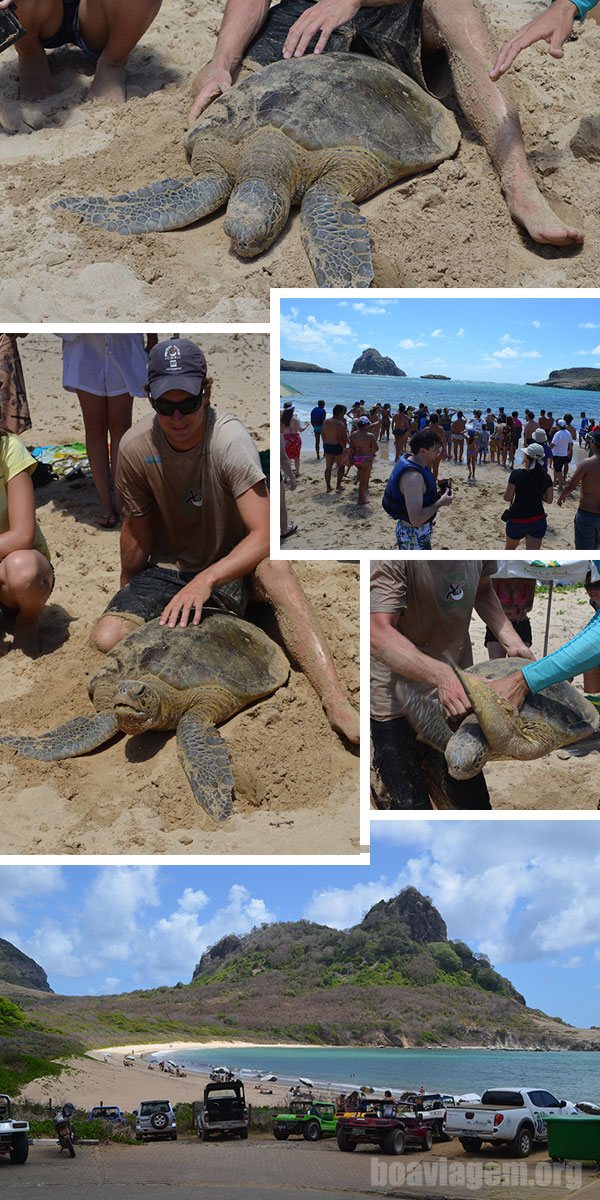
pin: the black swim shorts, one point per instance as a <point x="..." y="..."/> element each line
<point x="523" y="628"/>
<point x="68" y="33"/>
<point x="145" y="596"/>
<point x="391" y="33"/>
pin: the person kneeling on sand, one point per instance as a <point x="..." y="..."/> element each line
<point x="26" y="574"/>
<point x="195" y="530"/>
<point x="411" y="494"/>
<point x="106" y="31"/>
<point x="335" y="440"/>
<point x="420" y="615"/>
<point x="587" y="517"/>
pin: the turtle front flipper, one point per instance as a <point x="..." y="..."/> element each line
<point x="78" y="736"/>
<point x="170" y="204"/>
<point x="336" y="238"/>
<point x="206" y="761"/>
<point x="508" y="734"/>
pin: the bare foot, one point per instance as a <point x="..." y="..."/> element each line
<point x="343" y="719"/>
<point x="530" y="209"/>
<point x="109" y="83"/>
<point x="35" y="79"/>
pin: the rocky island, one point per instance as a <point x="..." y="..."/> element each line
<point x="448" y="377"/>
<point x="584" y="379"/>
<point x="371" y="362"/>
<point x="286" y="364"/>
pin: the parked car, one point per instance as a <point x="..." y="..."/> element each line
<point x="429" y="1108"/>
<point x="392" y="1134"/>
<point x="107" y="1112"/>
<point x="224" y="1110"/>
<point x="155" y="1119"/>
<point x="310" y="1119"/>
<point x="511" y="1116"/>
<point x="14" y="1135"/>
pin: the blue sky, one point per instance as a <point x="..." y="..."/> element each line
<point x="503" y="341"/>
<point x="527" y="897"/>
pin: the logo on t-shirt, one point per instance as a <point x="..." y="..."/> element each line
<point x="194" y="498"/>
<point x="456" y="591"/>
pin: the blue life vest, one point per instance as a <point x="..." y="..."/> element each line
<point x="393" y="501"/>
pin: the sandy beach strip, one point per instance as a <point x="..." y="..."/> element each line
<point x="330" y="521"/>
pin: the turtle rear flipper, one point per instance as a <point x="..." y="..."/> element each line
<point x="170" y="204"/>
<point x="206" y="761"/>
<point x="336" y="238"/>
<point x="76" y="737"/>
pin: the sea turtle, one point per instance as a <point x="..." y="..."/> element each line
<point x="185" y="679"/>
<point x="321" y="132"/>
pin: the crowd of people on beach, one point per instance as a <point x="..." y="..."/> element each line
<point x="425" y="439"/>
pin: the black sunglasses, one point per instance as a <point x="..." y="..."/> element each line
<point x="167" y="408"/>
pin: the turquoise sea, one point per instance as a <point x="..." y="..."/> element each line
<point x="571" y="1075"/>
<point x="454" y="394"/>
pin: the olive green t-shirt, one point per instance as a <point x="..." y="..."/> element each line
<point x="190" y="495"/>
<point x="434" y="604"/>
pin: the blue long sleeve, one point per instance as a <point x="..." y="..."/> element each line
<point x="579" y="654"/>
<point x="584" y="6"/>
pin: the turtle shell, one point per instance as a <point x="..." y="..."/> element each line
<point x="563" y="708"/>
<point x="337" y="100"/>
<point x="222" y="651"/>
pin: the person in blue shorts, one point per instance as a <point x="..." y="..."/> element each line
<point x="554" y="26"/>
<point x="105" y="31"/>
<point x="579" y="656"/>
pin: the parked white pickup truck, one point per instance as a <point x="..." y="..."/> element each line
<point x="516" y="1116"/>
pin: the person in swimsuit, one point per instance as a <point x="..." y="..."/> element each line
<point x="317" y="417"/>
<point x="106" y="31"/>
<point x="292" y="432"/>
<point x="400" y="430"/>
<point x="363" y="448"/>
<point x="516" y="597"/>
<point x="587" y="517"/>
<point x="553" y="26"/>
<point x="458" y="436"/>
<point x="335" y="440"/>
<point x="433" y="41"/>
<point x="472" y="452"/>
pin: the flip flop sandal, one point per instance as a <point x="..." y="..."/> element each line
<point x="292" y="529"/>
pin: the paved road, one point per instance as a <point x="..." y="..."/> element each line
<point x="261" y="1169"/>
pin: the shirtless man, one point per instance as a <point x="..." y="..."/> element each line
<point x="457" y="429"/>
<point x="423" y="38"/>
<point x="335" y="440"/>
<point x="587" y="517"/>
<point x="106" y="31"/>
<point x="400" y="430"/>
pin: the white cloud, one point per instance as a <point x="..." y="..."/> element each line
<point x="460" y="333"/>
<point x="571" y="963"/>
<point x="342" y="907"/>
<point x="369" y="309"/>
<point x="588" y="325"/>
<point x="506" y="340"/>
<point x="437" y="333"/>
<point x="314" y="336"/>
<point x="19" y="887"/>
<point x="507" y="352"/>
<point x="192" y="901"/>
<point x="530" y="354"/>
<point x="409" y="344"/>
<point x="537" y="324"/>
<point x="491" y="362"/>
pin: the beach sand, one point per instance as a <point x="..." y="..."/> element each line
<point x="101" y="1077"/>
<point x="296" y="783"/>
<point x="335" y="521"/>
<point x="552" y="782"/>
<point x="447" y="228"/>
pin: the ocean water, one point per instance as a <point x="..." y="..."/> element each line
<point x="571" y="1075"/>
<point x="452" y="394"/>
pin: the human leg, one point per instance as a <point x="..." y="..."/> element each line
<point x="533" y="543"/>
<point x="114" y="29"/>
<point x="119" y="410"/>
<point x="95" y="420"/>
<point x="587" y="530"/>
<point x="40" y="19"/>
<point x="141" y="600"/>
<point x="26" y="581"/>
<point x="329" y="461"/>
<point x="459" y="29"/>
<point x="397" y="763"/>
<point x="299" y="626"/>
<point x="363" y="483"/>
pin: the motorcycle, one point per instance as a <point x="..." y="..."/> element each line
<point x="64" y="1129"/>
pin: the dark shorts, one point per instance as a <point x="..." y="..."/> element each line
<point x="523" y="628"/>
<point x="333" y="448"/>
<point x="8" y="615"/>
<point x="69" y="33"/>
<point x="145" y="596"/>
<point x="410" y="772"/>
<point x="516" y="530"/>
<point x="558" y="462"/>
<point x="392" y="34"/>
<point x="587" y="530"/>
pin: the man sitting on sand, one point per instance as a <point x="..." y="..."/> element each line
<point x="411" y="494"/>
<point x="106" y="31"/>
<point x="430" y="40"/>
<point x="196" y="521"/>
<point x="587" y="517"/>
<point x="335" y="439"/>
<point x="421" y="612"/>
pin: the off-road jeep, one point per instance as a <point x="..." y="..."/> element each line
<point x="391" y="1133"/>
<point x="14" y="1135"/>
<point x="312" y="1119"/>
<point x="155" y="1118"/>
<point x="223" y="1111"/>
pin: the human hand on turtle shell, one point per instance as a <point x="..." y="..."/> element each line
<point x="322" y="17"/>
<point x="209" y="83"/>
<point x="511" y="688"/>
<point x="191" y="599"/>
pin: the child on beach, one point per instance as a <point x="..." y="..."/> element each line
<point x="472" y="452"/>
<point x="484" y="441"/>
<point x="363" y="448"/>
<point x="26" y="575"/>
<point x="105" y="31"/>
<point x="292" y="430"/>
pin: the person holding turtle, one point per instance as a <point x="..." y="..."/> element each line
<point x="433" y="41"/>
<point x="195" y="532"/>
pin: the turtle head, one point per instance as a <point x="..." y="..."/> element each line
<point x="137" y="705"/>
<point x="256" y="214"/>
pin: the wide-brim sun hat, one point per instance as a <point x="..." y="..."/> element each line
<point x="534" y="451"/>
<point x="540" y="436"/>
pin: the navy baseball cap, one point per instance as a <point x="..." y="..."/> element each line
<point x="176" y="364"/>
